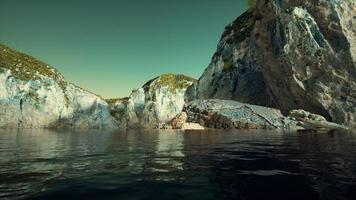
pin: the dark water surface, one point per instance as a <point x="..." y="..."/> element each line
<point x="177" y="165"/>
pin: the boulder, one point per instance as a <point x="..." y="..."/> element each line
<point x="178" y="121"/>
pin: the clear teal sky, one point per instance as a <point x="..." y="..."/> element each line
<point x="113" y="46"/>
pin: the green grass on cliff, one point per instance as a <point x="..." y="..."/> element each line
<point x="171" y="81"/>
<point x="24" y="67"/>
<point x="117" y="100"/>
<point x="251" y="4"/>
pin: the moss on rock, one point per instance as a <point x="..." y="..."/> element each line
<point x="251" y="4"/>
<point x="171" y="81"/>
<point x="26" y="68"/>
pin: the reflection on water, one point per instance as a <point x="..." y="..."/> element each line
<point x="44" y="164"/>
<point x="168" y="154"/>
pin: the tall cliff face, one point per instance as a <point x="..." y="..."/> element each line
<point x="155" y="103"/>
<point x="307" y="49"/>
<point x="34" y="95"/>
<point x="296" y="54"/>
<point x="234" y="72"/>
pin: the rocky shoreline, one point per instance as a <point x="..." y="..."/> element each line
<point x="227" y="114"/>
<point x="275" y="66"/>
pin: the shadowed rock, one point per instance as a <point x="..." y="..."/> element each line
<point x="234" y="73"/>
<point x="307" y="53"/>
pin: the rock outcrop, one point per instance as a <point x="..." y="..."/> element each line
<point x="154" y="104"/>
<point x="289" y="55"/>
<point x="227" y="114"/>
<point x="35" y="95"/>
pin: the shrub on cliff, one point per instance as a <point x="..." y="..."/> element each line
<point x="251" y="4"/>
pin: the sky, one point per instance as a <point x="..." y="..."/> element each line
<point x="113" y="46"/>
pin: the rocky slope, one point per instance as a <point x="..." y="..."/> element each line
<point x="152" y="105"/>
<point x="35" y="95"/>
<point x="289" y="55"/>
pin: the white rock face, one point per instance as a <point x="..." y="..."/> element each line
<point x="43" y="104"/>
<point x="45" y="101"/>
<point x="34" y="95"/>
<point x="156" y="103"/>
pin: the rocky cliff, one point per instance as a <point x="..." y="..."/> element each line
<point x="308" y="51"/>
<point x="296" y="54"/>
<point x="285" y="54"/>
<point x="234" y="72"/>
<point x="152" y="105"/>
<point x="35" y="95"/>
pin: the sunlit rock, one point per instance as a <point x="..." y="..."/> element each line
<point x="35" y="95"/>
<point x="192" y="126"/>
<point x="154" y="104"/>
